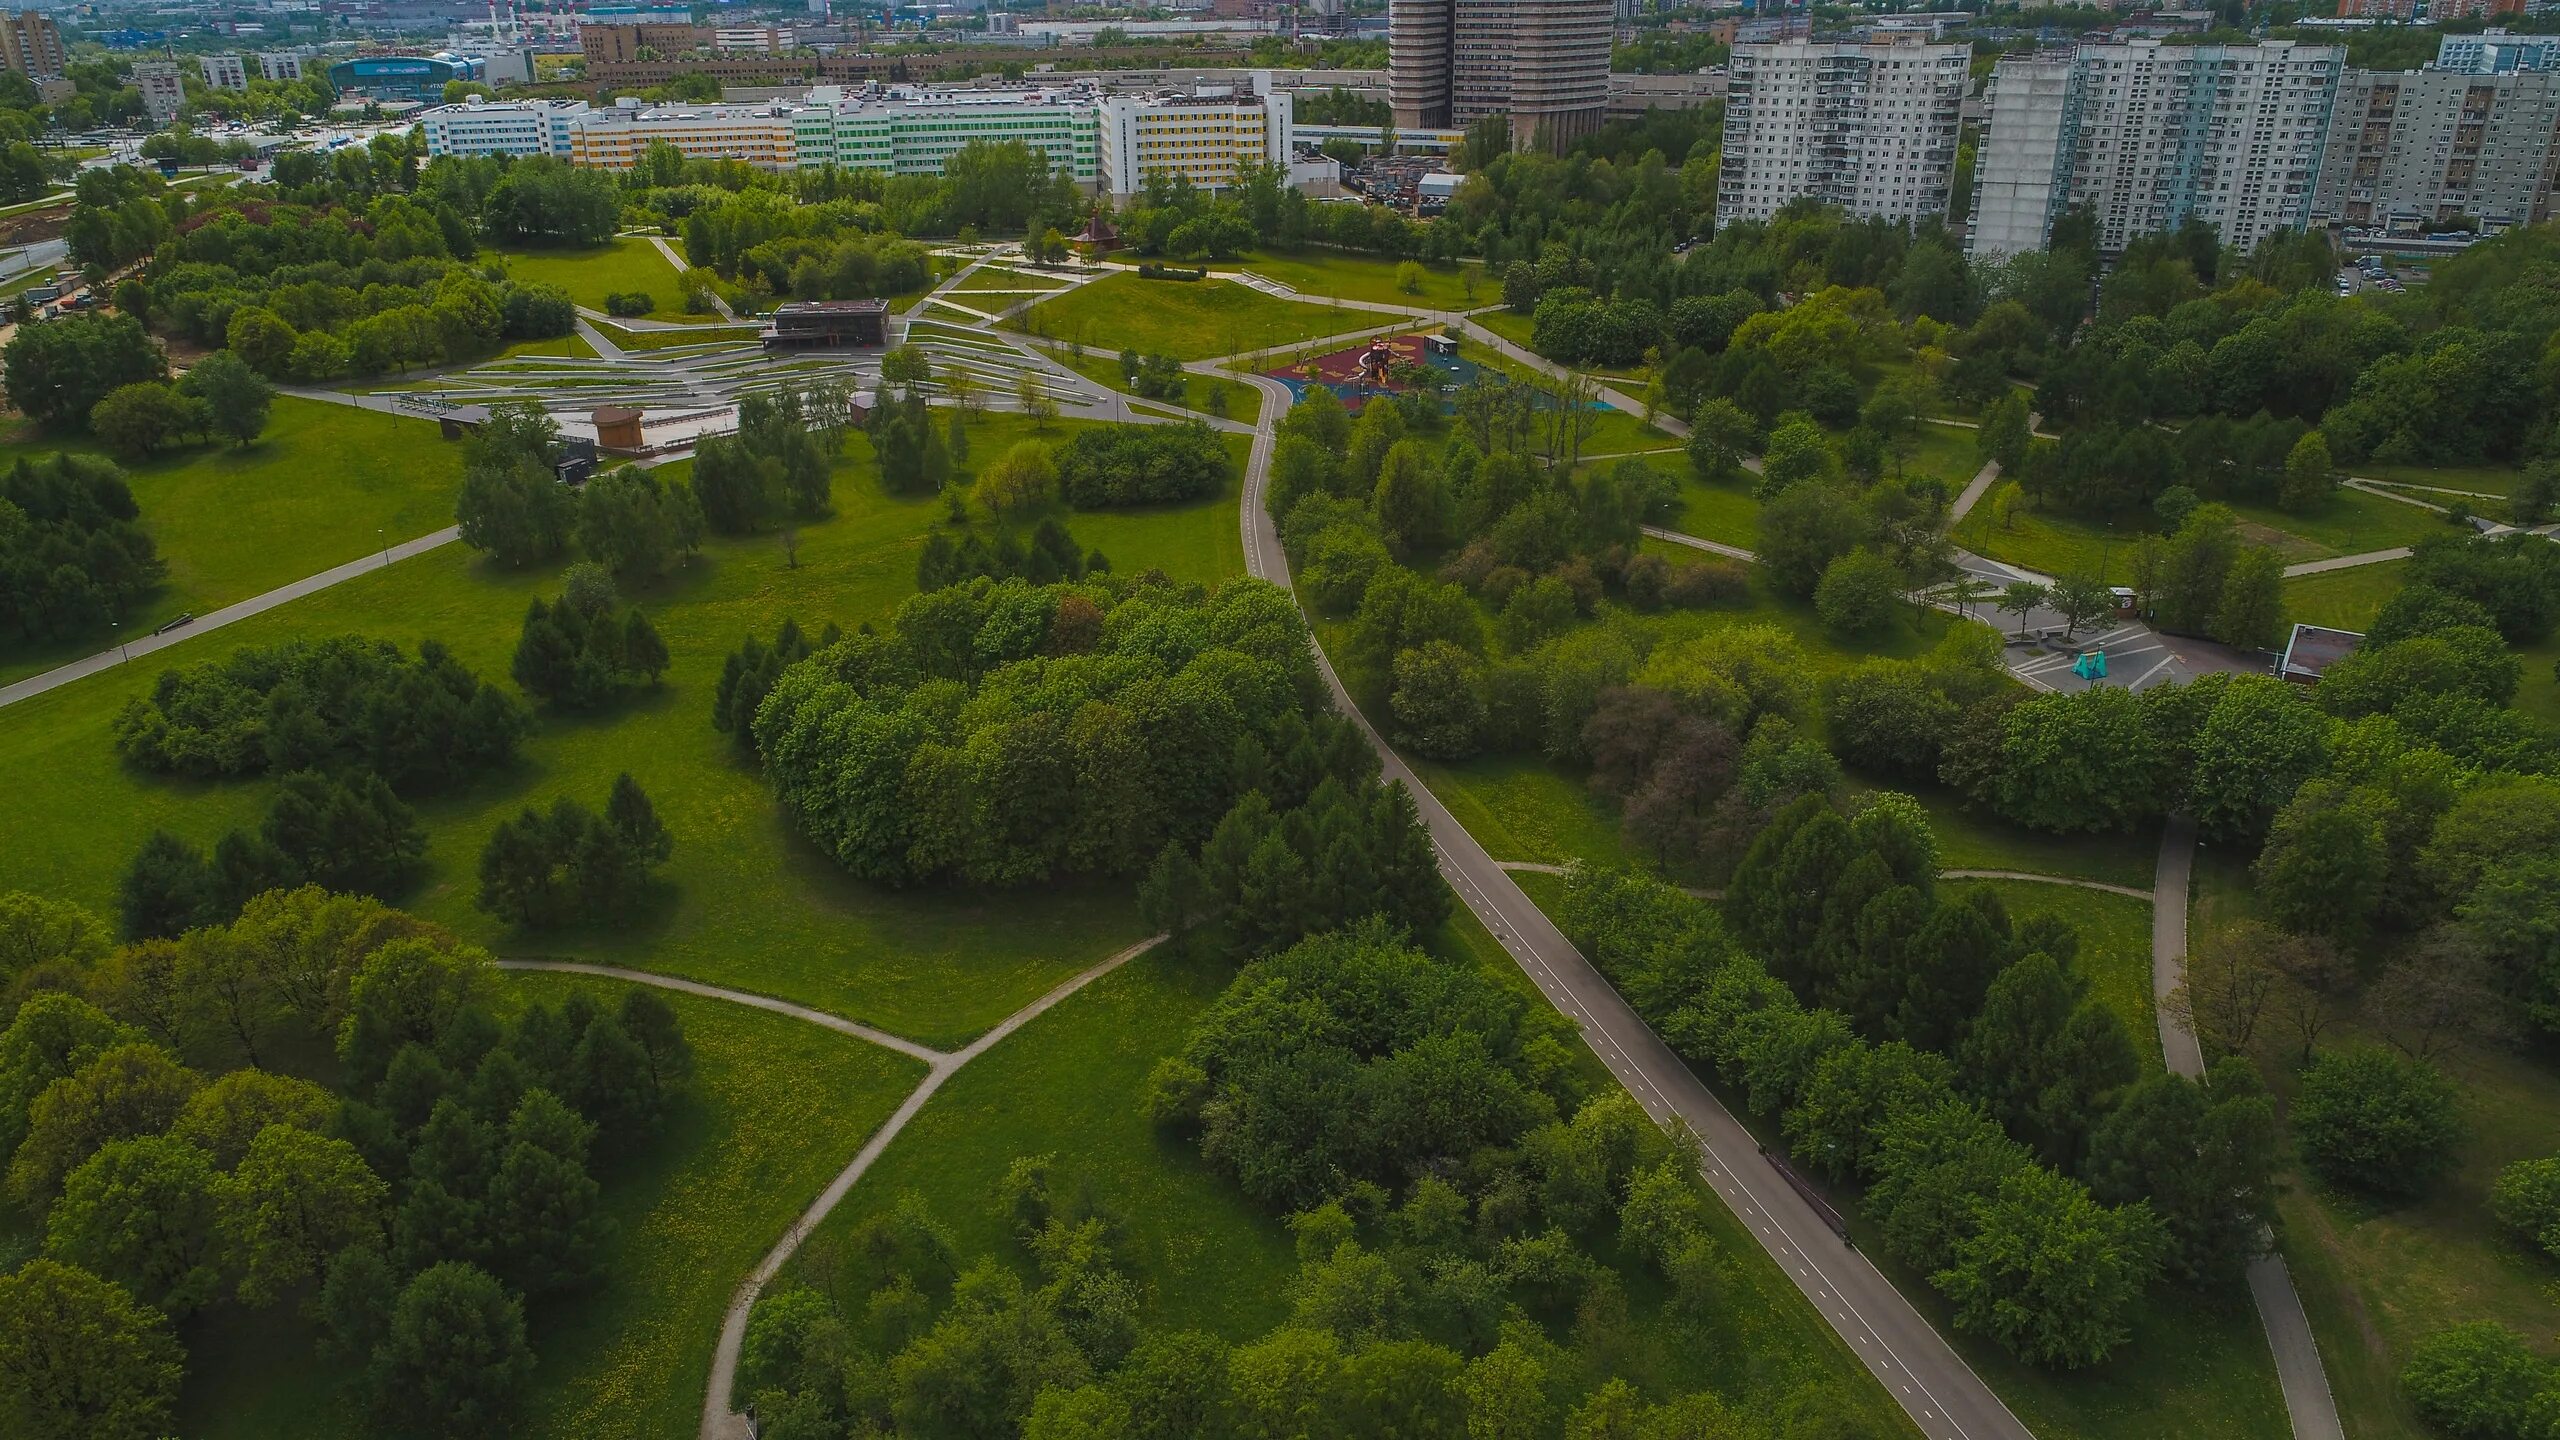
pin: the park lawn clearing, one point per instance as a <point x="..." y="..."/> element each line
<point x="1969" y="840"/>
<point x="1359" y="277"/>
<point x="1187" y="319"/>
<point x="324" y="485"/>
<point x="1243" y="401"/>
<point x="2377" y="1276"/>
<point x="626" y="266"/>
<point x="1520" y="807"/>
<point x="1726" y="512"/>
<point x="1067" y="1086"/>
<point x="2539" y="695"/>
<point x="748" y="903"/>
<point x="2115" y="947"/>
<point x="1945" y="451"/>
<point x="573" y="346"/>
<point x="724" y="335"/>
<point x="1613" y="431"/>
<point x="2350" y="522"/>
<point x="993" y="277"/>
<point x="2344" y="599"/>
<point x="1511" y="325"/>
<point x="777" y="1106"/>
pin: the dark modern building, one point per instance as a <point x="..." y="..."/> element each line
<point x="828" y="322"/>
<point x="420" y="78"/>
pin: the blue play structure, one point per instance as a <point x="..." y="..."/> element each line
<point x="2091" y="667"/>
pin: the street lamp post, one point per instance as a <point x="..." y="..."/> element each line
<point x="116" y="628"/>
<point x="384" y="542"/>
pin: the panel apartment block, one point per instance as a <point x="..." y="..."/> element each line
<point x="2410" y="147"/>
<point x="1871" y="128"/>
<point x="2152" y="135"/>
<point x="1543" y="63"/>
<point x="502" y="127"/>
<point x="32" y="46"/>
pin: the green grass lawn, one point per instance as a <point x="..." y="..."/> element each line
<point x="751" y="905"/>
<point x="2376" y="1277"/>
<point x="325" y="485"/>
<point x="1067" y="1085"/>
<point x="1945" y="451"/>
<point x="1727" y="512"/>
<point x="2115" y="947"/>
<point x="574" y="346"/>
<point x="1243" y="402"/>
<point x="1187" y="319"/>
<point x="2351" y="522"/>
<point x="1520" y="807"/>
<point x="1511" y="325"/>
<point x="2539" y="695"/>
<point x="1969" y="840"/>
<point x="2344" y="599"/>
<point x="1613" y="431"/>
<point x="670" y="339"/>
<point x="1358" y="277"/>
<point x="777" y="1108"/>
<point x="627" y="265"/>
<point x="991" y="277"/>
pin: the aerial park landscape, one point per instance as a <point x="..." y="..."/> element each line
<point x="702" y="801"/>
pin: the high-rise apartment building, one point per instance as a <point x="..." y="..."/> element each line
<point x="224" y="72"/>
<point x="1543" y="63"/>
<point x="915" y="135"/>
<point x="2410" y="148"/>
<point x="281" y="64"/>
<point x="30" y="45"/>
<point x="2151" y="136"/>
<point x="1871" y="128"/>
<point x="2439" y="11"/>
<point x="164" y="94"/>
<point x="1205" y="138"/>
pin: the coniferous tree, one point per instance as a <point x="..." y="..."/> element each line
<point x="167" y="890"/>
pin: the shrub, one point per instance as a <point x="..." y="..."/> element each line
<point x="2372" y="1120"/>
<point x="629" y="303"/>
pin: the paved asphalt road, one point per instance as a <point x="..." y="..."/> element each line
<point x="1916" y="1365"/>
<point x="141" y="645"/>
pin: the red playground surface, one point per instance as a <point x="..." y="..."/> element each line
<point x="1364" y="363"/>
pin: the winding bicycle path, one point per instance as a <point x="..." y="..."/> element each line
<point x="1547" y="867"/>
<point x="720" y="1421"/>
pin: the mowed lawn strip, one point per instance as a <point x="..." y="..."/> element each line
<point x="2344" y="599"/>
<point x="626" y="266"/>
<point x="777" y="1107"/>
<point x="750" y="904"/>
<point x="2349" y="522"/>
<point x="324" y="485"/>
<point x="1358" y="277"/>
<point x="1187" y="319"/>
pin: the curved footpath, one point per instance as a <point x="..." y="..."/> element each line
<point x="2307" y="1398"/>
<point x="1942" y="1394"/>
<point x="719" y="1420"/>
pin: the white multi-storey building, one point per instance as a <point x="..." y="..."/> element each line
<point x="2495" y="52"/>
<point x="914" y="133"/>
<point x="502" y="127"/>
<point x="615" y="139"/>
<point x="164" y="94"/>
<point x="225" y="72"/>
<point x="2150" y="136"/>
<point x="1869" y="127"/>
<point x="1207" y="138"/>
<point x="280" y="64"/>
<point x="2410" y="148"/>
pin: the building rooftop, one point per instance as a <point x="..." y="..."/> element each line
<point x="2312" y="649"/>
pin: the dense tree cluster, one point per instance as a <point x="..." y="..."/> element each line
<point x="569" y="864"/>
<point x="2480" y="1381"/>
<point x="73" y="554"/>
<point x="1952" y="1127"/>
<point x="443" y="1174"/>
<point x="58" y="371"/>
<point x="1349" y="1058"/>
<point x="341" y="830"/>
<point x="1004" y="733"/>
<point x="219" y="396"/>
<point x="1143" y="465"/>
<point x="747" y="676"/>
<point x="1049" y="557"/>
<point x="422" y="724"/>
<point x="586" y="648"/>
<point x="778" y="469"/>
<point x="1471" y="1304"/>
